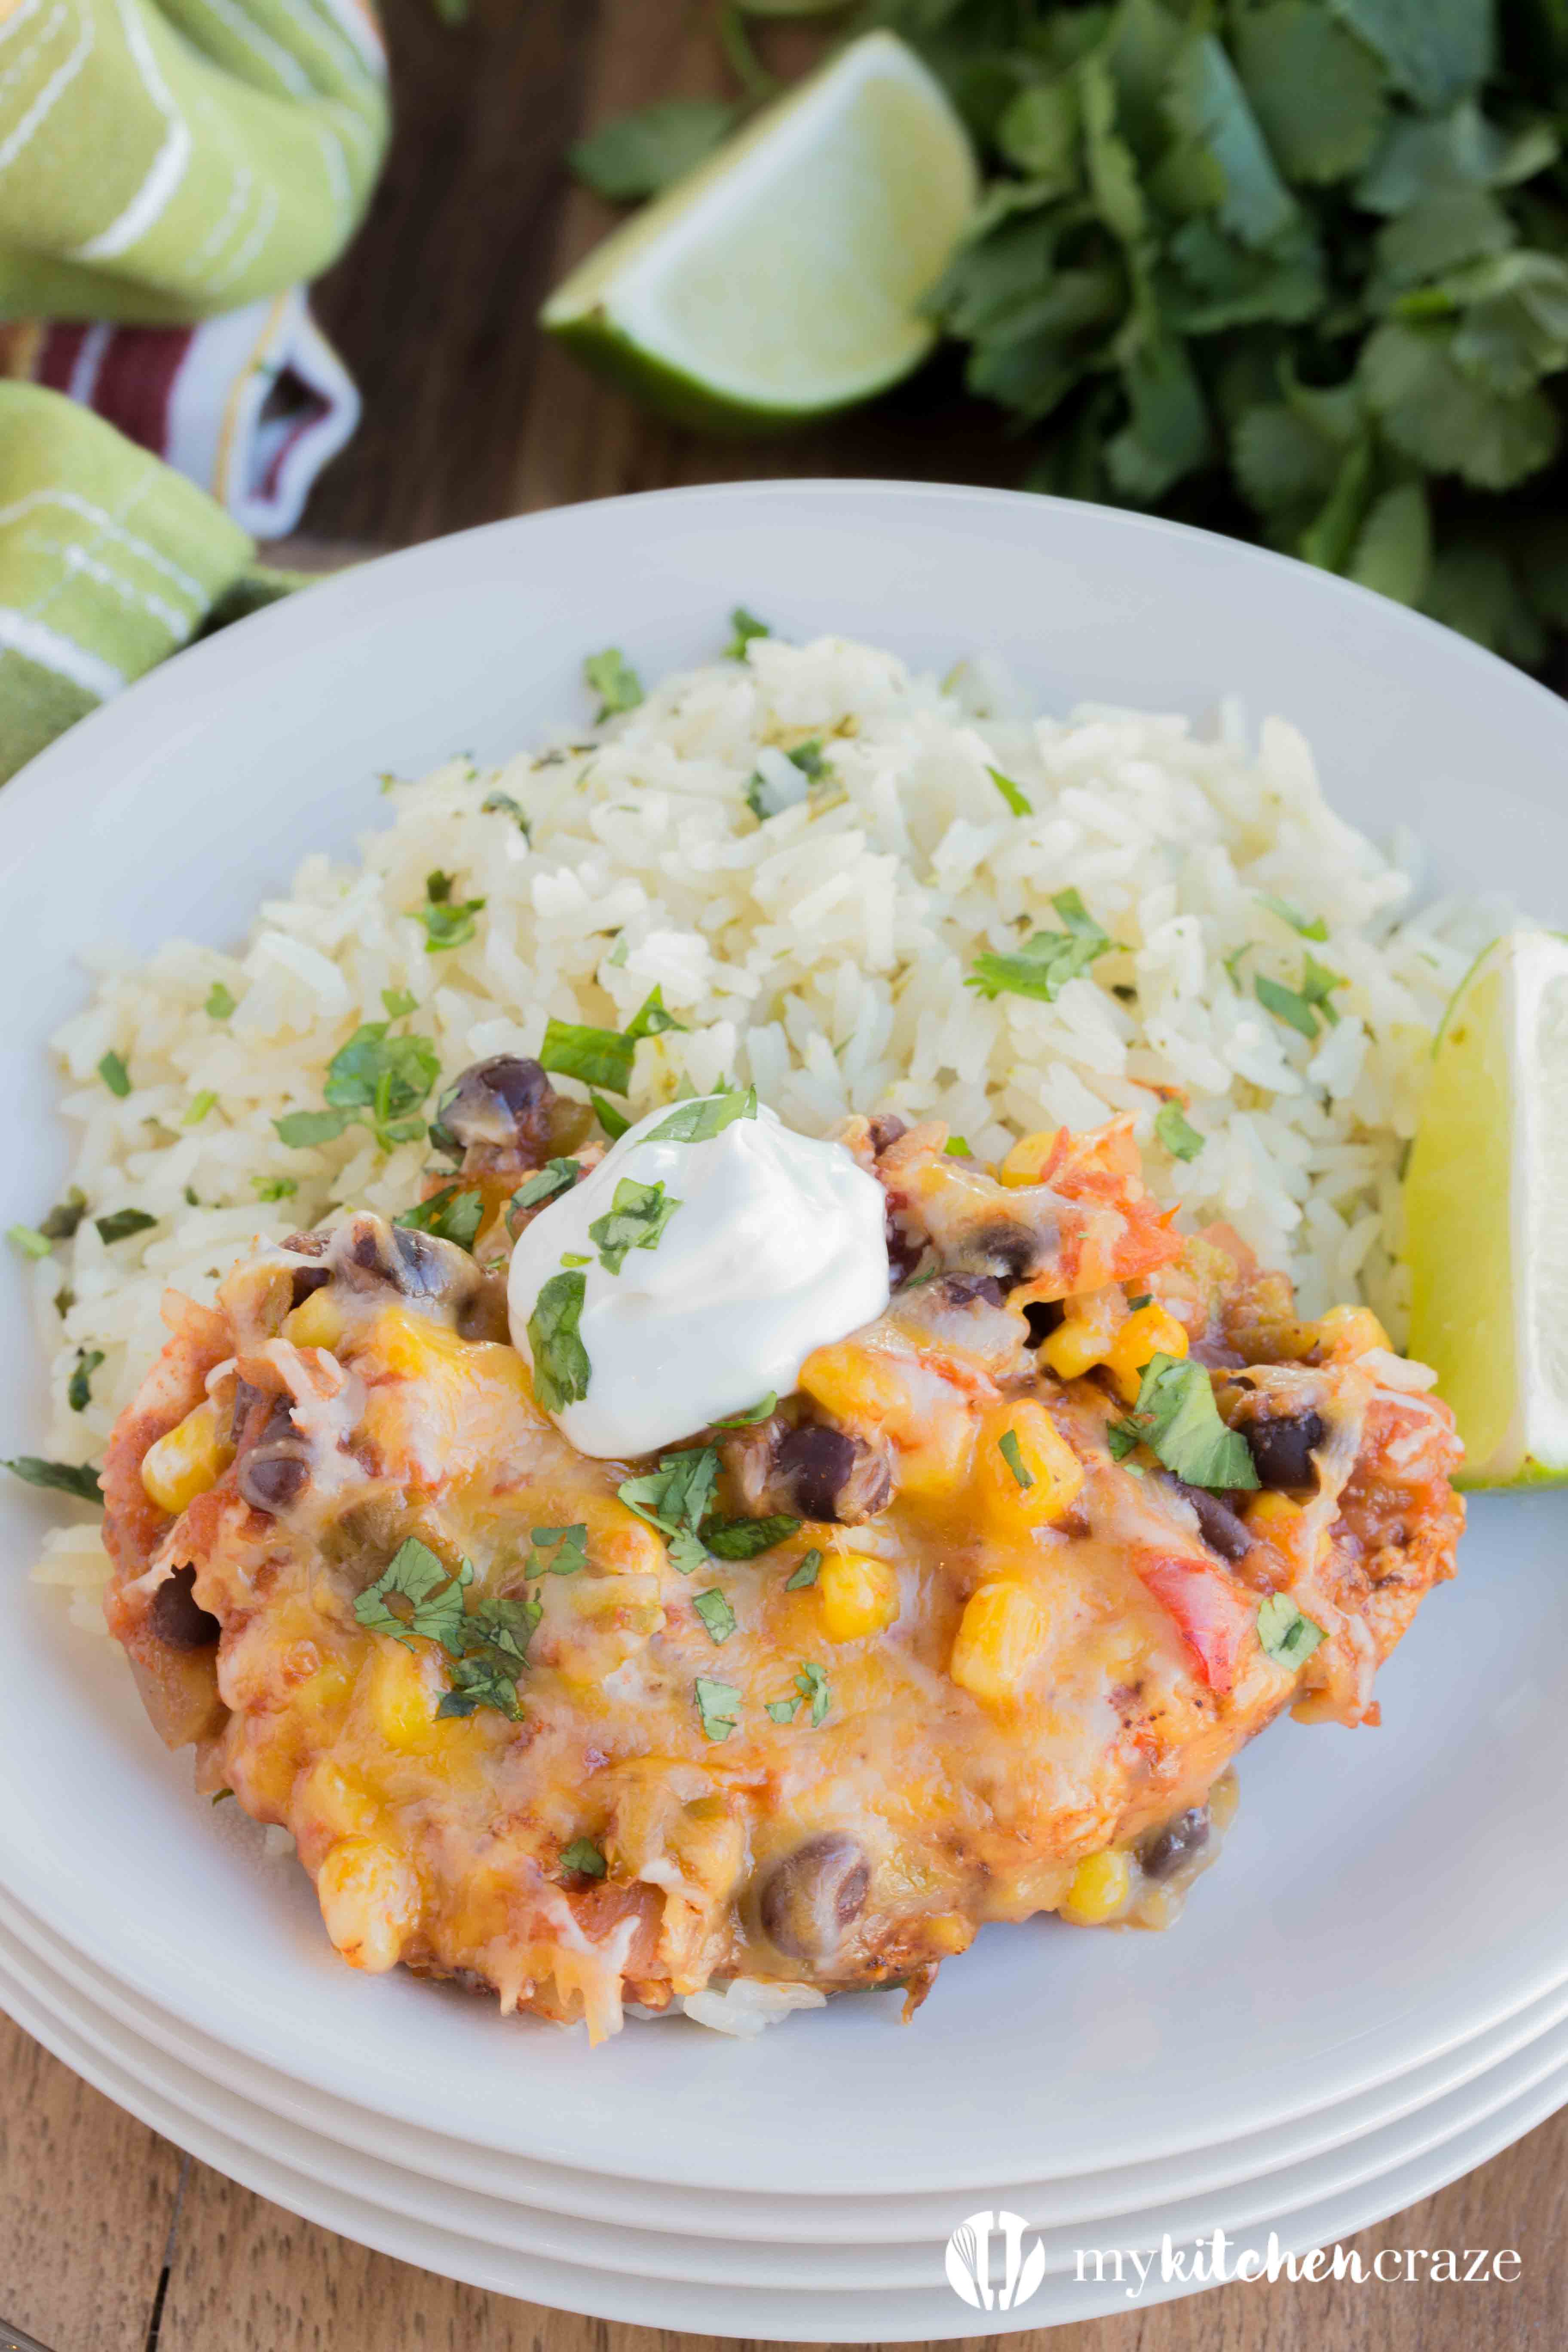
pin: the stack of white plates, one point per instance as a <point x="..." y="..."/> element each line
<point x="1365" y="1999"/>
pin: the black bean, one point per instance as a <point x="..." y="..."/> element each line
<point x="177" y="1617"/>
<point x="1282" y="1449"/>
<point x="1221" y="1529"/>
<point x="273" y="1476"/>
<point x="308" y="1245"/>
<point x="422" y="1269"/>
<point x="498" y="1101"/>
<point x="809" y="1898"/>
<point x="308" y="1278"/>
<point x="816" y="1463"/>
<point x="418" y="1266"/>
<point x="1043" y="1317"/>
<point x="887" y="1129"/>
<point x="1181" y="1841"/>
<point x="963" y="1289"/>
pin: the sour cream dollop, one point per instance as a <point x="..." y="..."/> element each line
<point x="778" y="1246"/>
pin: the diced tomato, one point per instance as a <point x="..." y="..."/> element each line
<point x="1213" y="1617"/>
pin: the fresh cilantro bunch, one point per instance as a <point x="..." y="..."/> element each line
<point x="1298" y="266"/>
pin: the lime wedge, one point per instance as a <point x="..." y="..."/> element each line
<point x="1484" y="1199"/>
<point x="783" y="279"/>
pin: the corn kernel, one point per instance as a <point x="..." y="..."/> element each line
<point x="1084" y="1336"/>
<point x="1347" y="1331"/>
<point x="316" y="1322"/>
<point x="403" y="1711"/>
<point x="369" y="1898"/>
<point x="1275" y="1513"/>
<point x="1052" y="1473"/>
<point x="1025" y="1162"/>
<point x="856" y="1596"/>
<point x="186" y="1461"/>
<point x="856" y="1385"/>
<point x="1001" y="1634"/>
<point x="1148" y="1332"/>
<point x="1100" y="1885"/>
<point x="413" y="1346"/>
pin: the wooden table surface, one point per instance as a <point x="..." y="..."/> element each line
<point x="111" y="2241"/>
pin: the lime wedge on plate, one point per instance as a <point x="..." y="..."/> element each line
<point x="783" y="279"/>
<point x="1486" y="1208"/>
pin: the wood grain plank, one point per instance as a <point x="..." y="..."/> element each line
<point x="247" y="2278"/>
<point x="86" y="2197"/>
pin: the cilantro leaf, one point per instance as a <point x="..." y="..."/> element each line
<point x="614" y="1122"/>
<point x="718" y="1706"/>
<point x="452" y="1214"/>
<point x="650" y="1019"/>
<point x="77" y="1478"/>
<point x="503" y="804"/>
<point x="639" y="154"/>
<point x="1014" y="795"/>
<point x="674" y="1499"/>
<point x="1317" y="91"/>
<point x="200" y="1106"/>
<point x="1286" y="1005"/>
<point x="744" y="1538"/>
<point x="743" y="627"/>
<point x="815" y="1690"/>
<point x="431" y="1593"/>
<point x="1176" y="1417"/>
<point x="29" y="1240"/>
<point x="1046" y="961"/>
<point x="300" y="1129"/>
<point x="1314" y="929"/>
<point x="635" y="1219"/>
<point x="122" y="1222"/>
<point x="700" y="1120"/>
<point x="805" y="1573"/>
<point x="561" y="1368"/>
<point x="448" y="923"/>
<point x="274" y="1188"/>
<point x="600" y="1057"/>
<point x="1012" y="1454"/>
<point x="747" y="1420"/>
<point x="715" y="1613"/>
<point x="1286" y="1636"/>
<point x="555" y="1176"/>
<point x="375" y="1073"/>
<point x="570" y="1546"/>
<point x="115" y="1076"/>
<point x="613" y="679"/>
<point x="1181" y="1139"/>
<point x="65" y="1216"/>
<point x="584" y="1857"/>
<point x="78" y="1392"/>
<point x="220" y="1003"/>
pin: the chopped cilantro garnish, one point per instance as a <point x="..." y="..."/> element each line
<point x="614" y="1122"/>
<point x="1014" y="795"/>
<point x="1287" y="1636"/>
<point x="122" y="1222"/>
<point x="79" y="1391"/>
<point x="452" y="1214"/>
<point x="555" y="1176"/>
<point x="77" y="1478"/>
<point x="1317" y="984"/>
<point x="718" y="1706"/>
<point x="200" y="1106"/>
<point x="805" y="1573"/>
<point x="375" y="1081"/>
<point x="621" y="949"/>
<point x="65" y="1216"/>
<point x="115" y="1075"/>
<point x="1012" y="1454"/>
<point x="575" y="1257"/>
<point x="275" y="1188"/>
<point x="760" y="797"/>
<point x="301" y="1129"/>
<point x="399" y="1002"/>
<point x="1233" y="963"/>
<point x="1301" y="1007"/>
<point x="600" y="1057"/>
<point x="707" y="1115"/>
<point x="743" y="627"/>
<point x="754" y="1414"/>
<point x="957" y="1148"/>
<point x="1176" y="1417"/>
<point x="417" y="1597"/>
<point x="635" y="1219"/>
<point x="1142" y="1300"/>
<point x="650" y="1019"/>
<point x="220" y="1003"/>
<point x="674" y="1499"/>
<point x="715" y="1613"/>
<point x="448" y="923"/>
<point x="570" y="1546"/>
<point x="1042" y="967"/>
<point x="1181" y="1139"/>
<point x="744" y="1538"/>
<point x="611" y="677"/>
<point x="584" y="1857"/>
<point x="29" y="1241"/>
<point x="813" y="1692"/>
<point x="431" y="1591"/>
<point x="503" y="804"/>
<point x="560" y="1366"/>
<point x="1314" y="929"/>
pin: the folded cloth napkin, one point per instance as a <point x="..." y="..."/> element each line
<point x="168" y="163"/>
<point x="108" y="562"/>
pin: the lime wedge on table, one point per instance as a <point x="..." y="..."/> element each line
<point x="1486" y="1205"/>
<point x="783" y="278"/>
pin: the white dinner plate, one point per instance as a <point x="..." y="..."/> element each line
<point x="701" y="2257"/>
<point x="342" y="2196"/>
<point x="112" y="2017"/>
<point x="1385" y="1897"/>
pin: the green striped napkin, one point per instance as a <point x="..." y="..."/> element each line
<point x="108" y="562"/>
